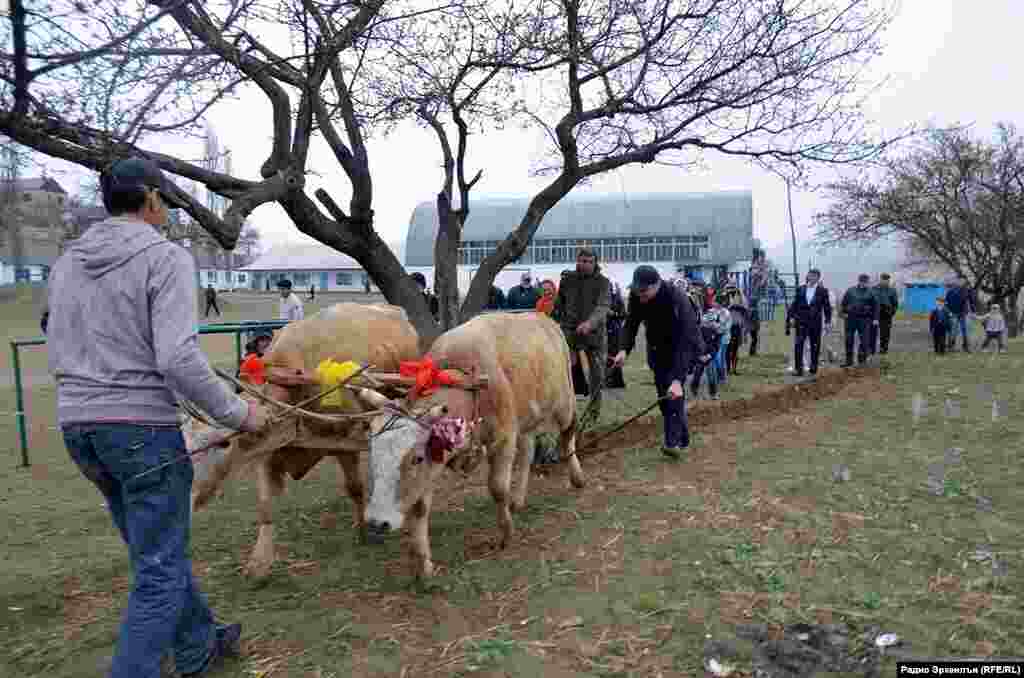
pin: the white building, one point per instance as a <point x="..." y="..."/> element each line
<point x="707" y="234"/>
<point x="38" y="210"/>
<point x="306" y="265"/>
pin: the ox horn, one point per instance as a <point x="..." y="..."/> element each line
<point x="372" y="398"/>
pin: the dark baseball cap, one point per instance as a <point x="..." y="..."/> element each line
<point x="645" y="276"/>
<point x="136" y="172"/>
<point x="284" y="284"/>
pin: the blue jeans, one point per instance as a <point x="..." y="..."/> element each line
<point x="673" y="412"/>
<point x="963" y="322"/>
<point x="166" y="610"/>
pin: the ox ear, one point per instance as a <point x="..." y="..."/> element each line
<point x="372" y="399"/>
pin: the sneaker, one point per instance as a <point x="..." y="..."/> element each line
<point x="228" y="644"/>
<point x="673" y="452"/>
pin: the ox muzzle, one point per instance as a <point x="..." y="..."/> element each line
<point x="377" y="531"/>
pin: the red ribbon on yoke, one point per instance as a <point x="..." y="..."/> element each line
<point x="428" y="376"/>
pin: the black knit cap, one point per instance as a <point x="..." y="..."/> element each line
<point x="645" y="276"/>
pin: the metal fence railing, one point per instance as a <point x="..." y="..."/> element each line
<point x="238" y="329"/>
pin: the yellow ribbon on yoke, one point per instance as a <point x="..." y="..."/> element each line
<point x="330" y="373"/>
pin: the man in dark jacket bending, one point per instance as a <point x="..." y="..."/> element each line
<point x="673" y="343"/>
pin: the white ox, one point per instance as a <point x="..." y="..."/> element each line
<point x="526" y="361"/>
<point x="376" y="334"/>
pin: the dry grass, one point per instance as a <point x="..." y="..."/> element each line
<point x="626" y="578"/>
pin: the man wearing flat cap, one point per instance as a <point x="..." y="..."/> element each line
<point x="859" y="308"/>
<point x="122" y="347"/>
<point x="674" y="342"/>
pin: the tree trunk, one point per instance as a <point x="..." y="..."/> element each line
<point x="359" y="240"/>
<point x="446" y="261"/>
<point x="1012" y="314"/>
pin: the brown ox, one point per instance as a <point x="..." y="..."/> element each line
<point x="375" y="334"/>
<point x="526" y="361"/>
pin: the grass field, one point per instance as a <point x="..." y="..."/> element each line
<point x="631" y="576"/>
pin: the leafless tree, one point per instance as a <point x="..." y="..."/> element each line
<point x="779" y="83"/>
<point x="955" y="199"/>
<point x="620" y="82"/>
<point x="452" y="74"/>
<point x="90" y="83"/>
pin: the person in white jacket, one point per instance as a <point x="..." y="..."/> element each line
<point x="290" y="307"/>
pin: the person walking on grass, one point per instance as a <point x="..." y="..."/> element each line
<point x="811" y="311"/>
<point x="888" y="304"/>
<point x="740" y="317"/>
<point x="673" y="343"/>
<point x="859" y="308"/>
<point x="290" y="307"/>
<point x="211" y="301"/>
<point x="994" y="325"/>
<point x="712" y="336"/>
<point x="122" y="345"/>
<point x="960" y="302"/>
<point x="940" y="325"/>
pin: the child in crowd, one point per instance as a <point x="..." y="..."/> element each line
<point x="940" y="325"/>
<point x="995" y="326"/>
<point x="252" y="370"/>
<point x="711" y="329"/>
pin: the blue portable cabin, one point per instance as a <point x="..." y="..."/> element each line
<point x="919" y="297"/>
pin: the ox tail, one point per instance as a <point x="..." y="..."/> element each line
<point x="567" y="442"/>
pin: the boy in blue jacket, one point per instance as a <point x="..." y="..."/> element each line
<point x="940" y="325"/>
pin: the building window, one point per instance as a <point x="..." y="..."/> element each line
<point x="241" y="278"/>
<point x="560" y="251"/>
<point x="663" y="249"/>
<point x="301" y="279"/>
<point x="211" y="276"/>
<point x="343" y="279"/>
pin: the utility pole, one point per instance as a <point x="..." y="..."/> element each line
<point x="792" y="233"/>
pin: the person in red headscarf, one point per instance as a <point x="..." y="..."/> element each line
<point x="546" y="304"/>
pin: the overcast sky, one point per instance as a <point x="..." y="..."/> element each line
<point x="947" y="60"/>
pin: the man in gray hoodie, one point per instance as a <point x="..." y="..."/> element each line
<point x="122" y="343"/>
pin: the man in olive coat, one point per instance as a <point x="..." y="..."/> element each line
<point x="581" y="308"/>
<point x="860" y="310"/>
<point x="888" y="304"/>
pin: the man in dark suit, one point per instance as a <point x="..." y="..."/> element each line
<point x="811" y="310"/>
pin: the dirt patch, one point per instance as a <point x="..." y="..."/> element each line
<point x="737" y="607"/>
<point x="770" y="400"/>
<point x="83" y="607"/>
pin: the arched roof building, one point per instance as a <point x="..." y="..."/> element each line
<point x="702" y="232"/>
